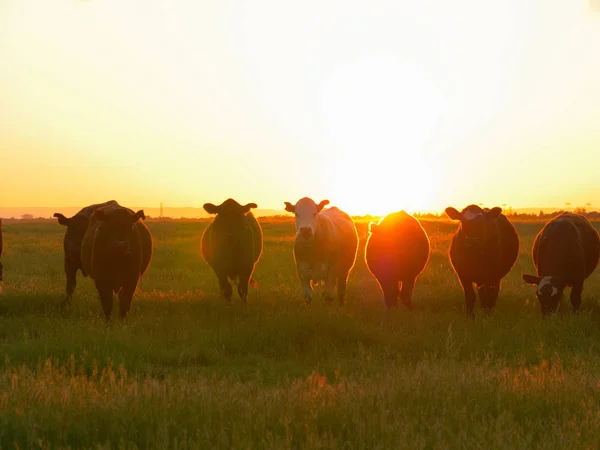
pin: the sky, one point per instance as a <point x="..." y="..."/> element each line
<point x="377" y="106"/>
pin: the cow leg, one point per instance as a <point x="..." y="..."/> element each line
<point x="470" y="296"/>
<point x="242" y="287"/>
<point x="576" y="292"/>
<point x="106" y="297"/>
<point x="226" y="289"/>
<point x="406" y="292"/>
<point x="305" y="276"/>
<point x="390" y="292"/>
<point x="488" y="295"/>
<point x="307" y="288"/>
<point x="329" y="288"/>
<point x="341" y="288"/>
<point x="71" y="275"/>
<point x="125" y="298"/>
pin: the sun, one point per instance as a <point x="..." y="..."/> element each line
<point x="378" y="116"/>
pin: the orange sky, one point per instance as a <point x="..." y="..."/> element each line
<point x="377" y="106"/>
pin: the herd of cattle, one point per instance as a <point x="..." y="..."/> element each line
<point x="110" y="244"/>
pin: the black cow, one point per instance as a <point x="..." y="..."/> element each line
<point x="76" y="228"/>
<point x="116" y="251"/>
<point x="1" y="266"/>
<point x="232" y="245"/>
<point x="396" y="252"/>
<point x="565" y="252"/>
<point x="483" y="250"/>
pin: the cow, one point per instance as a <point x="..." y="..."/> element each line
<point x="565" y="252"/>
<point x="325" y="247"/>
<point x="483" y="250"/>
<point x="1" y="266"/>
<point x="76" y="228"/>
<point x="232" y="245"/>
<point x="115" y="253"/>
<point x="396" y="252"/>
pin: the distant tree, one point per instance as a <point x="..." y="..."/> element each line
<point x="541" y="214"/>
<point x="26" y="216"/>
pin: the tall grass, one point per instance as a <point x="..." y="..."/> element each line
<point x="184" y="370"/>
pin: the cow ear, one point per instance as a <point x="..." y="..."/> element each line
<point x="531" y="279"/>
<point x="62" y="219"/>
<point x="99" y="215"/>
<point x="210" y="208"/>
<point x="453" y="213"/>
<point x="372" y="227"/>
<point x="494" y="213"/>
<point x="289" y="207"/>
<point x="248" y="207"/>
<point x="138" y="215"/>
<point x="321" y="205"/>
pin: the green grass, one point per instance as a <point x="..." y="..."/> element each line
<point x="184" y="370"/>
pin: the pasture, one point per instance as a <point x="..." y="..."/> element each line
<point x="185" y="370"/>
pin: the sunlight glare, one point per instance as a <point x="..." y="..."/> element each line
<point x="378" y="116"/>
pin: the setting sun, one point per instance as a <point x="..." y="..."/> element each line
<point x="379" y="115"/>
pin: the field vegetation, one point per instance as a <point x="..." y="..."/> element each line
<point x="184" y="370"/>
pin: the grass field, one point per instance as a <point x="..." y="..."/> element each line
<point x="184" y="370"/>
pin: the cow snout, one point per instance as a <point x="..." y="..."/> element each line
<point x="306" y="231"/>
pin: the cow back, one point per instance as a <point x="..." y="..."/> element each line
<point x="568" y="245"/>
<point x="89" y="210"/>
<point x="508" y="241"/>
<point x="397" y="248"/>
<point x="257" y="236"/>
<point x="146" y="245"/>
<point x="338" y="231"/>
<point x="493" y="258"/>
<point x="221" y="256"/>
<point x="101" y="265"/>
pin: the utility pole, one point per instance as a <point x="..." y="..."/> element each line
<point x="160" y="213"/>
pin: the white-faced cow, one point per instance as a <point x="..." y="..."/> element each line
<point x="325" y="247"/>
<point x="396" y="252"/>
<point x="115" y="252"/>
<point x="483" y="250"/>
<point x="76" y="228"/>
<point x="565" y="252"/>
<point x="232" y="245"/>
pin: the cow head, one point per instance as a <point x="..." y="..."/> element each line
<point x="230" y="218"/>
<point x="306" y="211"/>
<point x="118" y="226"/>
<point x="488" y="294"/>
<point x="549" y="291"/>
<point x="76" y="228"/>
<point x="475" y="225"/>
